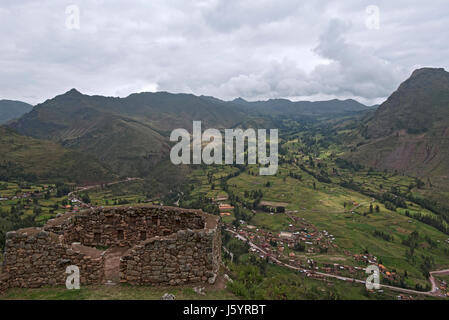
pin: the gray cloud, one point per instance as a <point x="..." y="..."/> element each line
<point x="226" y="48"/>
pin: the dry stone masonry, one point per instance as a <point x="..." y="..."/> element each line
<point x="162" y="245"/>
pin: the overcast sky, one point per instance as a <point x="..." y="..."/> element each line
<point x="256" y="49"/>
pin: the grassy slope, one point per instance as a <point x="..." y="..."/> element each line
<point x="49" y="161"/>
<point x="324" y="207"/>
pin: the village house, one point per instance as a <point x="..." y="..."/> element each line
<point x="285" y="235"/>
<point x="225" y="207"/>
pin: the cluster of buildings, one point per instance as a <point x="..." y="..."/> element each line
<point x="281" y="246"/>
<point x="23" y="195"/>
<point x="443" y="287"/>
<point x="77" y="204"/>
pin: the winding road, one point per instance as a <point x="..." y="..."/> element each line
<point x="70" y="195"/>
<point x="435" y="291"/>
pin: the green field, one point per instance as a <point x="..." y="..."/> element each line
<point x="342" y="211"/>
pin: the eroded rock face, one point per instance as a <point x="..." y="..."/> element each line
<point x="167" y="246"/>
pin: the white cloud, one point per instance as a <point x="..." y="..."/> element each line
<point x="226" y="48"/>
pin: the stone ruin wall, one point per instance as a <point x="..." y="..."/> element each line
<point x="34" y="258"/>
<point x="186" y="256"/>
<point x="168" y="246"/>
<point x="125" y="226"/>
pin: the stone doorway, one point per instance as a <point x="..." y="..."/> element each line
<point x="112" y="264"/>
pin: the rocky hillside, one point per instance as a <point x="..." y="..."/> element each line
<point x="410" y="131"/>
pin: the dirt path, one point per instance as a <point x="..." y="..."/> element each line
<point x="72" y="194"/>
<point x="104" y="184"/>
<point x="112" y="263"/>
<point x="435" y="290"/>
<point x="360" y="204"/>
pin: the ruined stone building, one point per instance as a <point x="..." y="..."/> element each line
<point x="145" y="245"/>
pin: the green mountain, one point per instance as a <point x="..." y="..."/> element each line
<point x="10" y="109"/>
<point x="128" y="134"/>
<point x="410" y="131"/>
<point x="302" y="109"/>
<point x="131" y="135"/>
<point x="31" y="159"/>
<point x="419" y="105"/>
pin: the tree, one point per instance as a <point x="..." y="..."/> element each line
<point x="427" y="265"/>
<point x="420" y="184"/>
<point x="300" y="247"/>
<point x="37" y="210"/>
<point x="311" y="163"/>
<point x="85" y="198"/>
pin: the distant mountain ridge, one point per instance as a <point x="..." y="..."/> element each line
<point x="285" y="107"/>
<point x="131" y="134"/>
<point x="11" y="109"/>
